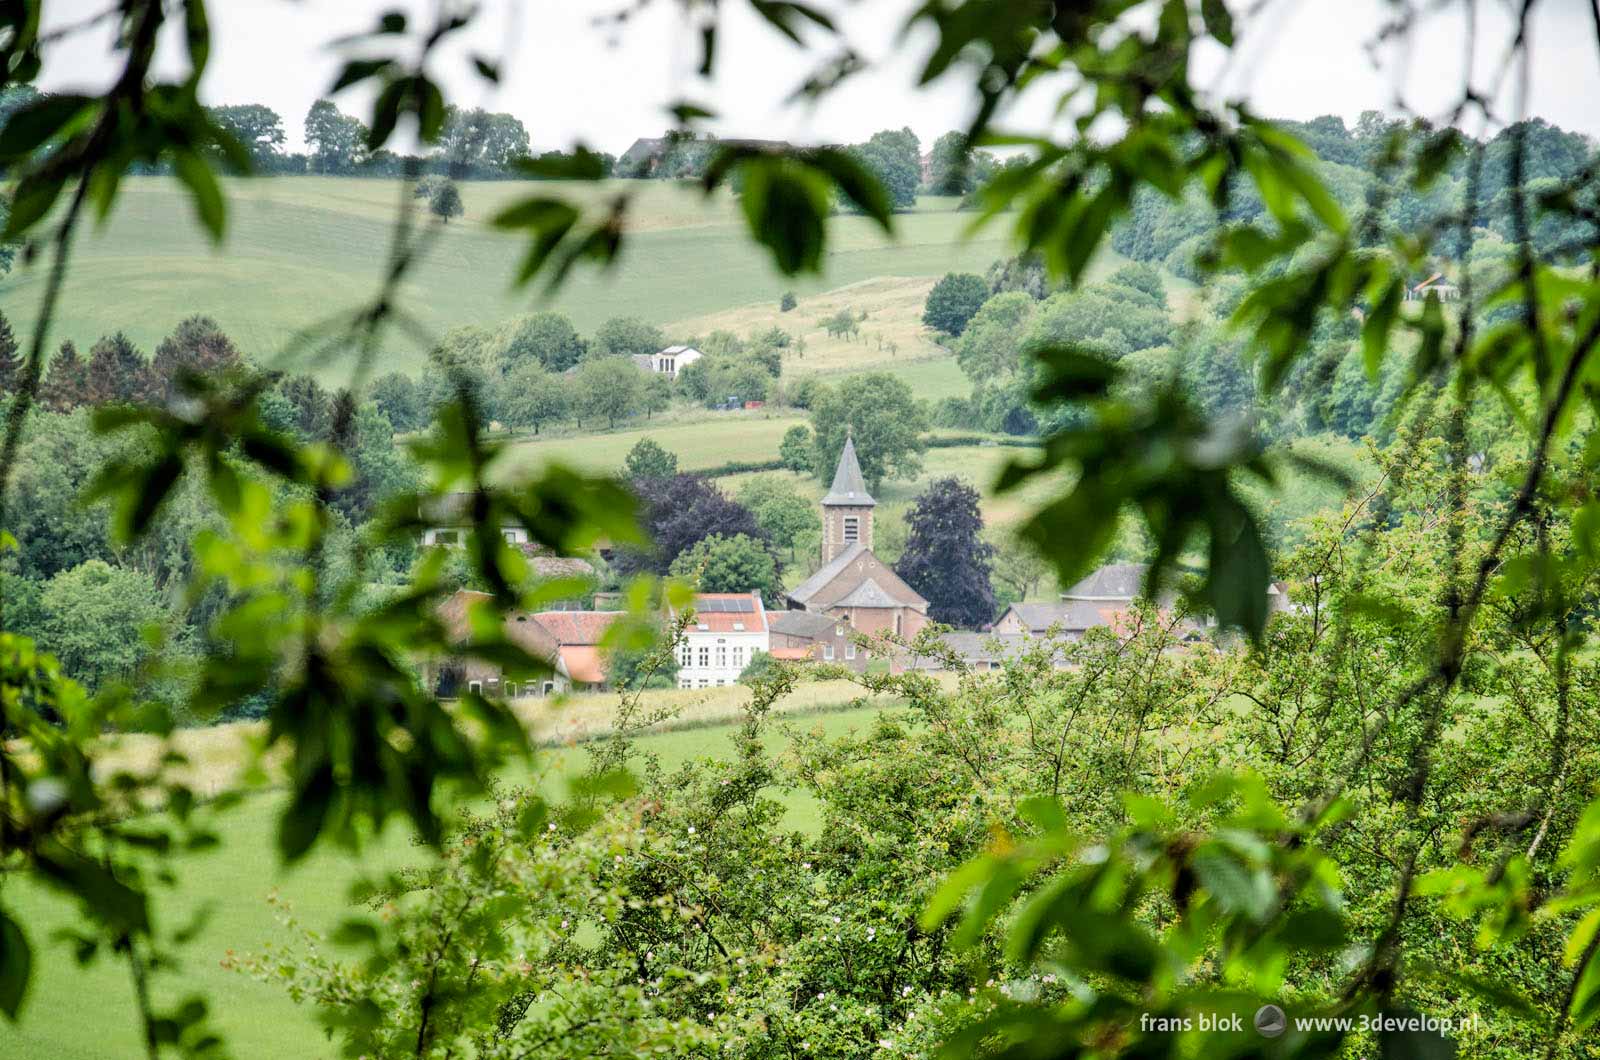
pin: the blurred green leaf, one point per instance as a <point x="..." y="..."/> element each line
<point x="16" y="966"/>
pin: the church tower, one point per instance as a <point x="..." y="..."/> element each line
<point x="847" y="509"/>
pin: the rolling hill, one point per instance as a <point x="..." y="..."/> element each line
<point x="301" y="249"/>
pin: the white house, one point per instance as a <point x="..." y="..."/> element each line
<point x="727" y="631"/>
<point x="447" y="521"/>
<point x="670" y="361"/>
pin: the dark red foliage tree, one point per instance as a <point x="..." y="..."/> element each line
<point x="946" y="558"/>
<point x="677" y="513"/>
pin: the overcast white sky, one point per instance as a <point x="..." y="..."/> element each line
<point x="569" y="80"/>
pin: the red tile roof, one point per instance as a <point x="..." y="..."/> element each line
<point x="520" y="627"/>
<point x="577" y="627"/>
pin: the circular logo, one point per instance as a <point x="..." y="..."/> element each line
<point x="1270" y="1021"/>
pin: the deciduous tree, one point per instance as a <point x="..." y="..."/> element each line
<point x="648" y="460"/>
<point x="627" y="336"/>
<point x="398" y="396"/>
<point x="736" y="564"/>
<point x="887" y="422"/>
<point x="953" y="301"/>
<point x="797" y="450"/>
<point x="548" y="338"/>
<point x="533" y="397"/>
<point x="257" y="127"/>
<point x="444" y="201"/>
<point x="610" y="388"/>
<point x="337" y="141"/>
<point x="96" y="617"/>
<point x="782" y="512"/>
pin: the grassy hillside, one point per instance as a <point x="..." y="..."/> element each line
<point x="301" y="249"/>
<point x="232" y="884"/>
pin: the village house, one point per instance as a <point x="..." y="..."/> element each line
<point x="1067" y="619"/>
<point x="566" y="643"/>
<point x="446" y="525"/>
<point x="447" y="521"/>
<point x="980" y="652"/>
<point x="805" y="636"/>
<point x="1437" y="285"/>
<point x="577" y="635"/>
<point x="1105" y="599"/>
<point x="668" y="362"/>
<point x="727" y="631"/>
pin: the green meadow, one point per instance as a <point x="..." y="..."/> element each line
<point x="300" y="250"/>
<point x="87" y="1013"/>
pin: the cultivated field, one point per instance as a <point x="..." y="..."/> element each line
<point x="230" y="888"/>
<point x="301" y="249"/>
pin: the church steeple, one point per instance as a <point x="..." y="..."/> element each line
<point x="847" y="509"/>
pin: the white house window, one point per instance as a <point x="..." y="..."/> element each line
<point x="897" y="623"/>
<point x="722" y="655"/>
<point x="549" y="686"/>
<point x="827" y="651"/>
<point x="686" y="656"/>
<point x="852" y="528"/>
<point x="738" y="657"/>
<point x="445" y="537"/>
<point x="475" y="687"/>
<point x="704" y="683"/>
<point x="705" y="657"/>
<point x="511" y="690"/>
<point x="849" y="649"/>
<point x="720" y="682"/>
<point x="685" y="683"/>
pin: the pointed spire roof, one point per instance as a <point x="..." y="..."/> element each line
<point x="849" y="489"/>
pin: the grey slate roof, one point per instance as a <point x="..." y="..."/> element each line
<point x="808" y="624"/>
<point x="451" y="509"/>
<point x="849" y="488"/>
<point x="1070" y="615"/>
<point x="980" y="647"/>
<point x="829" y="571"/>
<point x="868" y="594"/>
<point x="1114" y="581"/>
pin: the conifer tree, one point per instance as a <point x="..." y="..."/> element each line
<point x="196" y="345"/>
<point x="118" y="372"/>
<point x="10" y="362"/>
<point x="66" y="381"/>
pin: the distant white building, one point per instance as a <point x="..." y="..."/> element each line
<point x="447" y="521"/>
<point x="670" y="361"/>
<point x="727" y="631"/>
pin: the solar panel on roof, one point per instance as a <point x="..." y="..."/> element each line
<point x="726" y="606"/>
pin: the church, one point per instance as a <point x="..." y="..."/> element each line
<point x="853" y="590"/>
